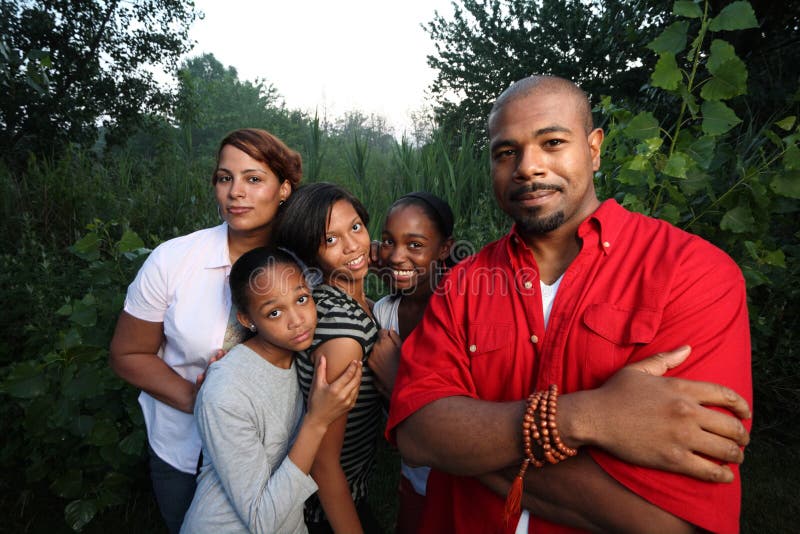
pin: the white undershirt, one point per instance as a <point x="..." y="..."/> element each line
<point x="548" y="296"/>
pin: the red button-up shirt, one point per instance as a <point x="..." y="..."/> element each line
<point x="639" y="286"/>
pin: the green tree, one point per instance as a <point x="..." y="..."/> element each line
<point x="770" y="52"/>
<point x="487" y="45"/>
<point x="213" y="101"/>
<point x="713" y="168"/>
<point x="68" y="66"/>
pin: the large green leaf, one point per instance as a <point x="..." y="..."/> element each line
<point x="643" y="126"/>
<point x="88" y="247"/>
<point x="688" y="9"/>
<point x="84" y="311"/>
<point x="79" y="513"/>
<point x="734" y="16"/>
<point x="754" y="278"/>
<point x="103" y="433"/>
<point x="69" y="484"/>
<point x="776" y="140"/>
<point x="129" y="241"/>
<point x="672" y="39"/>
<point x="718" y="118"/>
<point x="776" y="258"/>
<point x="738" y="220"/>
<point x="729" y="80"/>
<point x="669" y="213"/>
<point x="702" y="150"/>
<point x="666" y="74"/>
<point x="721" y="51"/>
<point x="69" y="339"/>
<point x="87" y="383"/>
<point x="786" y="184"/>
<point x="791" y="158"/>
<point x="695" y="181"/>
<point x="677" y="164"/>
<point x="648" y="147"/>
<point x="25" y="381"/>
<point x="133" y="443"/>
<point x="752" y="249"/>
<point x="633" y="176"/>
<point x="638" y="163"/>
<point x="634" y="203"/>
<point x="786" y="123"/>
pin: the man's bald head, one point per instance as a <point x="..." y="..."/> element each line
<point x="545" y="85"/>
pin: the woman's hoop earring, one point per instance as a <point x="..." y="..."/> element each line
<point x="281" y="203"/>
<point x="219" y="212"/>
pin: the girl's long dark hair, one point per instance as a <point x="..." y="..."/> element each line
<point x="302" y="223"/>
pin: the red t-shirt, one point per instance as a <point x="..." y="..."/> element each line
<point x="639" y="286"/>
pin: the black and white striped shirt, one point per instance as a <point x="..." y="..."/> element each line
<point x="338" y="315"/>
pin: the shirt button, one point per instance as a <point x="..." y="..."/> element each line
<point x="528" y="284"/>
<point x="606" y="244"/>
<point x="473" y="348"/>
<point x="534" y="339"/>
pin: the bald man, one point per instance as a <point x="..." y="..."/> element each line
<point x="581" y="294"/>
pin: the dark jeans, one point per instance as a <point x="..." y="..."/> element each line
<point x="173" y="489"/>
<point x="368" y="522"/>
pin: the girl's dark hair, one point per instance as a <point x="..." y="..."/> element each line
<point x="302" y="223"/>
<point x="249" y="265"/>
<point x="264" y="147"/>
<point x="434" y="207"/>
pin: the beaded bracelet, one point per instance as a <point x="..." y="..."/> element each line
<point x="544" y="433"/>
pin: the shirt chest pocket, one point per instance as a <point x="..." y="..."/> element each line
<point x="488" y="347"/>
<point x="484" y="338"/>
<point x="612" y="334"/>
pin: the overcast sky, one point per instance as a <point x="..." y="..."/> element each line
<point x="334" y="56"/>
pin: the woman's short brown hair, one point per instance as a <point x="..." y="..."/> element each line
<point x="268" y="149"/>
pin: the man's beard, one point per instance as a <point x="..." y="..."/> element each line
<point x="528" y="219"/>
<point x="530" y="222"/>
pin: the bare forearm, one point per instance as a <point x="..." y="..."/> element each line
<point x="132" y="356"/>
<point x="307" y="444"/>
<point x="500" y="483"/>
<point x="463" y="436"/>
<point x="579" y="494"/>
<point x="637" y="416"/>
<point x="149" y="373"/>
<point x="334" y="494"/>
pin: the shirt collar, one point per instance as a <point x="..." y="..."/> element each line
<point x="604" y="225"/>
<point x="219" y="255"/>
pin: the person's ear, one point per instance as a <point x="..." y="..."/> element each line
<point x="595" y="140"/>
<point x="245" y="321"/>
<point x="285" y="191"/>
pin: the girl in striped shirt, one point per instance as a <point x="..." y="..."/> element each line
<point x="326" y="228"/>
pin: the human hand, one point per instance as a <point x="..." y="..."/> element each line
<point x="202" y="376"/>
<point x="384" y="360"/>
<point x="328" y="402"/>
<point x="645" y="419"/>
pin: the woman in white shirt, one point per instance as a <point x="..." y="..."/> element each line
<point x="178" y="312"/>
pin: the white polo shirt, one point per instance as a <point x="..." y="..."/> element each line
<point x="183" y="284"/>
